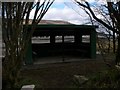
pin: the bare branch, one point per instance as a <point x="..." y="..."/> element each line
<point x="94" y="16"/>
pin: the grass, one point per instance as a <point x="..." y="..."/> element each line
<point x="105" y="79"/>
<point x="27" y="81"/>
<point x="61" y="75"/>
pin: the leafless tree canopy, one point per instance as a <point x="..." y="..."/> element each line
<point x="15" y="38"/>
<point x="114" y="14"/>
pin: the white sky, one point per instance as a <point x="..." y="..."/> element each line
<point x="66" y="13"/>
<point x="63" y="10"/>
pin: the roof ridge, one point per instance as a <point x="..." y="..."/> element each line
<point x="50" y="22"/>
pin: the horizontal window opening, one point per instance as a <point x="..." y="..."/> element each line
<point x="86" y="39"/>
<point x="44" y="39"/>
<point x="58" y="39"/>
<point x="69" y="39"/>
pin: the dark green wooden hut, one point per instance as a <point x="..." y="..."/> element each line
<point x="78" y="31"/>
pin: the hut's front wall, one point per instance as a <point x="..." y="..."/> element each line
<point x="75" y="48"/>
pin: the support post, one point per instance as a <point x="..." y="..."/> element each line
<point x="93" y="43"/>
<point x="28" y="58"/>
<point x="52" y="39"/>
<point x="63" y="57"/>
<point x="78" y="38"/>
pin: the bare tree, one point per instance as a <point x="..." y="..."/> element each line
<point x="16" y="38"/>
<point x="103" y="12"/>
<point x="114" y="13"/>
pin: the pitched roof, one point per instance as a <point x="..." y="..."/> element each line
<point x="50" y="22"/>
<point x="53" y="22"/>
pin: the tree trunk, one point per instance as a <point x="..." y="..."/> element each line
<point x="118" y="52"/>
<point x="114" y="43"/>
<point x="109" y="43"/>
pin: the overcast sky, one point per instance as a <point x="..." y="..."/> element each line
<point x="68" y="11"/>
